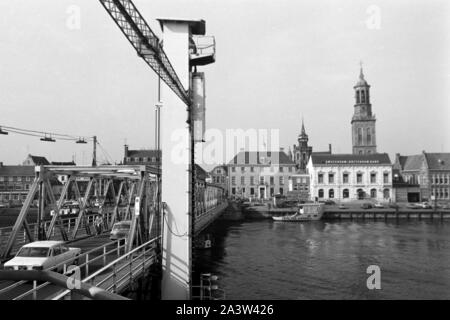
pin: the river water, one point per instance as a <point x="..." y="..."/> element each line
<point x="265" y="260"/>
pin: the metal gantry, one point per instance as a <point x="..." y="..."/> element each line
<point x="147" y="45"/>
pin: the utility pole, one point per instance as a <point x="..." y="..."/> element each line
<point x="94" y="154"/>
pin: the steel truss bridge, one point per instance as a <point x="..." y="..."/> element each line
<point x="106" y="268"/>
<point x="116" y="193"/>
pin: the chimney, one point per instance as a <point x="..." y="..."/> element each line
<point x="126" y="150"/>
<point x="329" y="148"/>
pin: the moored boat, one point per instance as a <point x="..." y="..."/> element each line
<point x="306" y="212"/>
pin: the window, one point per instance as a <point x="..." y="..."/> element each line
<point x="320" y="177"/>
<point x="360" y="152"/>
<point x="242" y="169"/>
<point x="359" y="177"/>
<point x="441" y="180"/>
<point x="373" y="193"/>
<point x="242" y="180"/>
<point x="357" y="96"/>
<point x="281" y="180"/>
<point x="320" y="193"/>
<point x="154" y="160"/>
<point x="233" y="190"/>
<point x="252" y="180"/>
<point x="331" y="193"/>
<point x="233" y="181"/>
<point x="136" y="159"/>
<point x="261" y="180"/>
<point x="360" y="137"/>
<point x="128" y="159"/>
<point x="271" y="192"/>
<point x="252" y="191"/>
<point x="27" y="187"/>
<point x="243" y="191"/>
<point x="233" y="169"/>
<point x="373" y="177"/>
<point x="446" y="179"/>
<point x="252" y="169"/>
<point x="281" y="169"/>
<point x="363" y="96"/>
<point x="369" y="137"/>
<point x="345" y="178"/>
<point x="281" y="190"/>
<point x="386" y="194"/>
<point x="331" y="178"/>
<point x="345" y="194"/>
<point x="223" y="179"/>
<point x="385" y="177"/>
<point x="272" y="181"/>
<point x="446" y="193"/>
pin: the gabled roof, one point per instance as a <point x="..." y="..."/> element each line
<point x="39" y="161"/>
<point x="438" y="161"/>
<point x="261" y="158"/>
<point x="434" y="161"/>
<point x="351" y="159"/>
<point x="412" y="163"/>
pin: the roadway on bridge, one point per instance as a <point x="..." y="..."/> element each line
<point x="86" y="245"/>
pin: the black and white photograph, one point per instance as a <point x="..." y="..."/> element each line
<point x="243" y="152"/>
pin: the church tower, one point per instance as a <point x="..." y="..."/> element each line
<point x="302" y="151"/>
<point x="363" y="121"/>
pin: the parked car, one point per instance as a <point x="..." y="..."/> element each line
<point x="378" y="206"/>
<point x="424" y="205"/>
<point x="42" y="255"/>
<point x="412" y="206"/>
<point x="341" y="206"/>
<point x="120" y="230"/>
<point x="394" y="206"/>
<point x="446" y="207"/>
<point x="329" y="202"/>
<point x="367" y="205"/>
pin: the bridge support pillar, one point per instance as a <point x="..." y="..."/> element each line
<point x="176" y="152"/>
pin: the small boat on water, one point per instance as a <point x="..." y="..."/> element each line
<point x="307" y="212"/>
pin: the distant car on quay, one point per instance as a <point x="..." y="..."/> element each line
<point x="366" y="205"/>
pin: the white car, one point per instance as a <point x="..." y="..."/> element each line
<point x="378" y="205"/>
<point x="41" y="255"/>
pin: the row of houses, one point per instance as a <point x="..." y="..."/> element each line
<point x="340" y="177"/>
<point x="16" y="180"/>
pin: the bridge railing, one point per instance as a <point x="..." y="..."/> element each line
<point x="90" y="260"/>
<point x="124" y="269"/>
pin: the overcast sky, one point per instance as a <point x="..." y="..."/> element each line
<point x="276" y="61"/>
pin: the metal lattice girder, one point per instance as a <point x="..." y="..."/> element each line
<point x="21" y="219"/>
<point x="146" y="43"/>
<point x="83" y="203"/>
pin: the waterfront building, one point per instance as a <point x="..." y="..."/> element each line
<point x="299" y="187"/>
<point x="426" y="174"/>
<point x="346" y="177"/>
<point x="363" y="120"/>
<point x="260" y="175"/>
<point x="141" y="157"/>
<point x="219" y="176"/>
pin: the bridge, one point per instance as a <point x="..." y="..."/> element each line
<point x="167" y="204"/>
